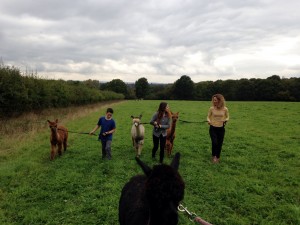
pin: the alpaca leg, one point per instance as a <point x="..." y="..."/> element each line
<point x="139" y="150"/>
<point x="172" y="144"/>
<point x="52" y="154"/>
<point x="59" y="147"/>
<point x="170" y="149"/>
<point x="65" y="144"/>
<point x="141" y="143"/>
<point x="168" y="145"/>
<point x="134" y="146"/>
<point x="66" y="140"/>
<point x="166" y="148"/>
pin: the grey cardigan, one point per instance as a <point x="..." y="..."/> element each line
<point x="165" y="123"/>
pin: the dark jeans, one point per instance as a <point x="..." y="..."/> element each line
<point x="161" y="141"/>
<point x="106" y="149"/>
<point x="217" y="137"/>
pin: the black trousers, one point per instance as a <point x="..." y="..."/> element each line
<point x="161" y="141"/>
<point x="217" y="137"/>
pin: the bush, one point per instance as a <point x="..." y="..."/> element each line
<point x="19" y="93"/>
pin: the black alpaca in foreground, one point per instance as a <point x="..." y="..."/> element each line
<point x="153" y="198"/>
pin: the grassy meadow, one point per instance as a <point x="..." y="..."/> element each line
<point x="257" y="181"/>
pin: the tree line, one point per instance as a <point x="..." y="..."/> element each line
<point x="23" y="93"/>
<point x="27" y="93"/>
<point x="272" y="88"/>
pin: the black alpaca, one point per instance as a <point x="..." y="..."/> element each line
<point x="153" y="198"/>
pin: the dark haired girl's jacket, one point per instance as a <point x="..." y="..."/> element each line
<point x="165" y="123"/>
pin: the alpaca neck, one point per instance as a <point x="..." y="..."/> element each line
<point x="173" y="127"/>
<point x="138" y="132"/>
<point x="54" y="135"/>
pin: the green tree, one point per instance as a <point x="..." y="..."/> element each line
<point x="141" y="88"/>
<point x="160" y="91"/>
<point x="245" y="90"/>
<point x="204" y="90"/>
<point x="267" y="89"/>
<point x="293" y="86"/>
<point x="229" y="89"/>
<point x="92" y="83"/>
<point x="13" y="92"/>
<point x="184" y="88"/>
<point x="118" y="86"/>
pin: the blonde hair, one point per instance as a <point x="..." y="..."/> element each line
<point x="221" y="99"/>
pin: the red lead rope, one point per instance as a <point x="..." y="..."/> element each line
<point x="192" y="216"/>
<point x="201" y="221"/>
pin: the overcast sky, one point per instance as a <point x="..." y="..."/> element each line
<point x="160" y="40"/>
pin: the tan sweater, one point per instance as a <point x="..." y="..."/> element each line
<point x="216" y="117"/>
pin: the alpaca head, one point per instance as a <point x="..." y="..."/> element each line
<point x="136" y="120"/>
<point x="53" y="125"/>
<point x="164" y="190"/>
<point x="175" y="116"/>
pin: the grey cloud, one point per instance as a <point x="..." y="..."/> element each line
<point x="202" y="39"/>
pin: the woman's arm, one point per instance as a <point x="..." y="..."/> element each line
<point x="153" y="120"/>
<point x="226" y="115"/>
<point x="209" y="115"/>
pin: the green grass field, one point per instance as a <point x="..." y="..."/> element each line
<point x="257" y="181"/>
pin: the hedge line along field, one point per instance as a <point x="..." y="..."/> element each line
<point x="257" y="181"/>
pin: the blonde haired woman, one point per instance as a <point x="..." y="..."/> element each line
<point x="217" y="117"/>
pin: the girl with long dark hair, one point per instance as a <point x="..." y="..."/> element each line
<point x="161" y="121"/>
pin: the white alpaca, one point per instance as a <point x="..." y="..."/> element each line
<point x="137" y="134"/>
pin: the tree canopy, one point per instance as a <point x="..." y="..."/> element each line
<point x="183" y="89"/>
<point x="141" y="88"/>
<point x="25" y="93"/>
<point x="116" y="85"/>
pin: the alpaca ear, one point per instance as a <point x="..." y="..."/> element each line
<point x="140" y="116"/>
<point x="132" y="117"/>
<point x="56" y="121"/>
<point x="175" y="161"/>
<point x="147" y="170"/>
<point x="48" y="121"/>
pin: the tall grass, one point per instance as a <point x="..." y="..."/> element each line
<point x="257" y="181"/>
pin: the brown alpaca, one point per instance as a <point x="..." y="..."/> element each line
<point x="59" y="137"/>
<point x="171" y="134"/>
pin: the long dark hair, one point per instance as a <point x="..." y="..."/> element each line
<point x="163" y="109"/>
